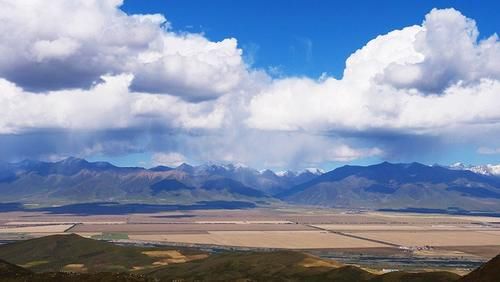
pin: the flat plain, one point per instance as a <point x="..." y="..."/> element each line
<point x="332" y="233"/>
<point x="298" y="239"/>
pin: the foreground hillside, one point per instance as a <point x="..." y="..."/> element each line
<point x="75" y="253"/>
<point x="72" y="258"/>
<point x="489" y="272"/>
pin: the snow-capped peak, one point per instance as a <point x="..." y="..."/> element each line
<point x="487" y="169"/>
<point x="284" y="173"/>
<point x="458" y="165"/>
<point x="222" y="166"/>
<point x="314" y="170"/>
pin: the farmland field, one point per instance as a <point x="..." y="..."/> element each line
<point x="264" y="239"/>
<point x="418" y="241"/>
<point x="433" y="238"/>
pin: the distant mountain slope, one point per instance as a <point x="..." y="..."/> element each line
<point x="389" y="185"/>
<point x="488" y="169"/>
<point x="381" y="186"/>
<point x="168" y="185"/>
<point x="231" y="186"/>
<point x="266" y="181"/>
<point x="77" y="180"/>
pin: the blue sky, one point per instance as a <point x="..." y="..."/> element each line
<point x="144" y="83"/>
<point x="309" y="38"/>
<point x="305" y="37"/>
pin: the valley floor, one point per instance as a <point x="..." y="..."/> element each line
<point x="381" y="240"/>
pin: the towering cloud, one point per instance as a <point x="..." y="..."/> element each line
<point x="418" y="80"/>
<point x="60" y="44"/>
<point x="122" y="83"/>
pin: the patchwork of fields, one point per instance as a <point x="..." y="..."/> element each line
<point x="324" y="231"/>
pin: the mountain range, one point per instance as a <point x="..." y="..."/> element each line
<point x="77" y="180"/>
<point x="487" y="169"/>
<point x="381" y="186"/>
<point x="387" y="185"/>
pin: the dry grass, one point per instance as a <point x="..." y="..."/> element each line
<point x="317" y="262"/>
<point x="58" y="228"/>
<point x="61" y="222"/>
<point x="34" y="263"/>
<point x="162" y="254"/>
<point x="347" y="227"/>
<point x="269" y="228"/>
<point x="245" y="222"/>
<point x="88" y="234"/>
<point x="432" y="218"/>
<point x="188" y="227"/>
<point x="486" y="252"/>
<point x="432" y="238"/>
<point x="171" y="256"/>
<point x="495" y="232"/>
<point x="264" y="239"/>
<point x="74" y="267"/>
<point x="406" y="227"/>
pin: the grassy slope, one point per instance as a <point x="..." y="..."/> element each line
<point x="77" y="277"/>
<point x="99" y="256"/>
<point x="398" y="276"/>
<point x="52" y="253"/>
<point x="268" y="266"/>
<point x="488" y="272"/>
<point x="11" y="270"/>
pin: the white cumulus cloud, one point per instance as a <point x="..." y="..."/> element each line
<point x="488" y="151"/>
<point x="84" y="76"/>
<point x="171" y="159"/>
<point x="105" y="106"/>
<point x="345" y="153"/>
<point x="59" y="44"/>
<point x="424" y="79"/>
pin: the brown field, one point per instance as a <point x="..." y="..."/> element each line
<point x="289" y="228"/>
<point x="479" y="251"/>
<point x="432" y="238"/>
<point x="406" y="227"/>
<point x="496" y="232"/>
<point x="59" y="228"/>
<point x="185" y="227"/>
<point x="263" y="239"/>
<point x="162" y="254"/>
<point x="22" y="223"/>
<point x="245" y="222"/>
<point x="172" y="256"/>
<point x="433" y="218"/>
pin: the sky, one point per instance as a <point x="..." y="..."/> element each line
<point x="269" y="84"/>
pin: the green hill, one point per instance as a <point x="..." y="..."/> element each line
<point x="75" y="253"/>
<point x="9" y="270"/>
<point x="77" y="277"/>
<point x="399" y="276"/>
<point x="259" y="266"/>
<point x="73" y="258"/>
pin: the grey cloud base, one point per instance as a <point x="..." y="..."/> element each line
<point x="85" y="68"/>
